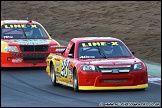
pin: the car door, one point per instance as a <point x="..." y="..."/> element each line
<point x="65" y="69"/>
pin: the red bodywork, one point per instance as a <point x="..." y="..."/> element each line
<point x="112" y="79"/>
<point x="26" y="59"/>
<point x="31" y="52"/>
<point x="107" y="77"/>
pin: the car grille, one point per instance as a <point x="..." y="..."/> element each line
<point x="34" y="48"/>
<point x="115" y="69"/>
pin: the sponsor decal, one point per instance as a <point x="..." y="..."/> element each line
<point x="60" y="49"/>
<point x="87" y="57"/>
<point x="7" y="36"/>
<point x="94" y="44"/>
<point x="20" y="26"/>
<point x="17" y="60"/>
<point x="88" y="44"/>
<point x="30" y="41"/>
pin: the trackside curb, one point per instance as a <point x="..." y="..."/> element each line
<point x="154" y="79"/>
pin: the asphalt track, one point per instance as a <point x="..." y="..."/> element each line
<point x="31" y="87"/>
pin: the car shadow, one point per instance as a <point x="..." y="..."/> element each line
<point x="22" y="68"/>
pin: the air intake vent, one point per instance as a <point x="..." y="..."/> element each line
<point x="34" y="48"/>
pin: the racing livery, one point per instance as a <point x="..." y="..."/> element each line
<point x="25" y="43"/>
<point x="97" y="63"/>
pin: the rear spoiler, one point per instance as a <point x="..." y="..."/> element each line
<point x="58" y="49"/>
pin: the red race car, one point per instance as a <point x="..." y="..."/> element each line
<point x="25" y="43"/>
<point x="97" y="63"/>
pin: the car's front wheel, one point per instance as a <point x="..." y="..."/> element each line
<point x="53" y="75"/>
<point x="75" y="81"/>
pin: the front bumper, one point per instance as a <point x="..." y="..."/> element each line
<point x="23" y="60"/>
<point x="113" y="81"/>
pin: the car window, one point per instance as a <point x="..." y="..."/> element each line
<point x="102" y="50"/>
<point x="17" y="31"/>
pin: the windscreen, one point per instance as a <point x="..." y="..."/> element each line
<point x="102" y="50"/>
<point x="19" y="31"/>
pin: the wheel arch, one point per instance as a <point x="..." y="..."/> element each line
<point x="75" y="73"/>
<point x="51" y="62"/>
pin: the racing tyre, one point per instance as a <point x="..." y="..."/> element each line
<point x="53" y="75"/>
<point x="75" y="81"/>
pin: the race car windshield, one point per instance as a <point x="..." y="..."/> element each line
<point x="19" y="31"/>
<point x="102" y="50"/>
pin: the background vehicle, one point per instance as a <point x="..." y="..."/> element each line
<point x="25" y="43"/>
<point x="97" y="63"/>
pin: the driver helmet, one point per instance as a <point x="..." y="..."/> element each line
<point x="108" y="49"/>
<point x="28" y="32"/>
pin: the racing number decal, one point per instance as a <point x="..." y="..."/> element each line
<point x="64" y="70"/>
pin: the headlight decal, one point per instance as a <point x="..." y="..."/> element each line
<point x="10" y="49"/>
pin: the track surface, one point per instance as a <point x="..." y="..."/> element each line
<point x="26" y="87"/>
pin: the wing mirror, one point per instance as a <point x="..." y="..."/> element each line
<point x="133" y="53"/>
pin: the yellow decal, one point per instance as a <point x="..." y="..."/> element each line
<point x="19" y="26"/>
<point x="89" y="44"/>
<point x="94" y="44"/>
<point x="114" y="43"/>
<point x="103" y="43"/>
<point x="33" y="26"/>
<point x="83" y="44"/>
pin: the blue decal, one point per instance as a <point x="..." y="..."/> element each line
<point x="115" y="71"/>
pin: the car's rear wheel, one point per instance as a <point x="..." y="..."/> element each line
<point x="75" y="81"/>
<point x="53" y="75"/>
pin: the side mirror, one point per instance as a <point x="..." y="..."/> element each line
<point x="70" y="55"/>
<point x="133" y="53"/>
